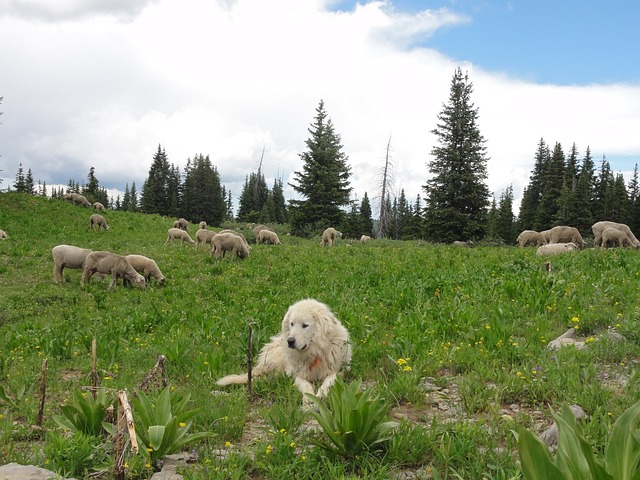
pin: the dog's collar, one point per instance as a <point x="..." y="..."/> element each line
<point x="314" y="363"/>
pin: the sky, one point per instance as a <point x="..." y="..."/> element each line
<point x="103" y="83"/>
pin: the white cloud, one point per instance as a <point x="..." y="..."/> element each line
<point x="228" y="79"/>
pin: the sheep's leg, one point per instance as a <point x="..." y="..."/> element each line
<point x="57" y="273"/>
<point x="86" y="277"/>
<point x="114" y="275"/>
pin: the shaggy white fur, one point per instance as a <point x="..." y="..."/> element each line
<point x="312" y="347"/>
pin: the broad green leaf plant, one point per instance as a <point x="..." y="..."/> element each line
<point x="575" y="459"/>
<point x="163" y="427"/>
<point x="86" y="414"/>
<point x="354" y="420"/>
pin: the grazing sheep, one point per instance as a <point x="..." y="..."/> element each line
<point x="98" y="206"/>
<point x="256" y="230"/>
<point x="556" y="248"/>
<point x="203" y="237"/>
<point x="176" y="233"/>
<point x="110" y="263"/>
<point x="564" y="234"/>
<point x="547" y="235"/>
<point x="267" y="236"/>
<point x="226" y="230"/>
<point x="611" y="236"/>
<point x="600" y="227"/>
<point x="329" y="237"/>
<point x="67" y="256"/>
<point x="77" y="199"/>
<point x="202" y="225"/>
<point x="222" y="243"/>
<point x="365" y="239"/>
<point x="181" y="223"/>
<point x="3" y="235"/>
<point x="530" y="237"/>
<point x="147" y="267"/>
<point x="98" y="221"/>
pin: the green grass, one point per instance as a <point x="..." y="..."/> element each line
<point x="476" y="320"/>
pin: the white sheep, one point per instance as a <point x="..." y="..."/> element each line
<point x="3" y="235"/>
<point x="365" y="239"/>
<point x="181" y="223"/>
<point x="556" y="248"/>
<point x="203" y="237"/>
<point x="329" y="237"/>
<point x="256" y="230"/>
<point x="240" y="234"/>
<point x="110" y="263"/>
<point x="267" y="236"/>
<point x="77" y="199"/>
<point x="98" y="206"/>
<point x="146" y="267"/>
<point x="183" y="236"/>
<point x="98" y="221"/>
<point x="225" y="242"/>
<point x="599" y="227"/>
<point x="202" y="225"/>
<point x="612" y="236"/>
<point x="67" y="256"/>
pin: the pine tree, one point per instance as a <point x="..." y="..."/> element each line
<point x="603" y="192"/>
<point x="30" y="183"/>
<point x="549" y="211"/>
<point x="253" y="197"/>
<point x="569" y="202"/>
<point x="158" y="194"/>
<point x="20" y="184"/>
<point x="323" y="181"/>
<point x="202" y="197"/>
<point x="92" y="188"/>
<point x="415" y="227"/>
<point x="583" y="216"/>
<point x="619" y="211"/>
<point x="457" y="195"/>
<point x="126" y="198"/>
<point x="634" y="201"/>
<point x="279" y="202"/>
<point x="505" y="228"/>
<point x="365" y="216"/>
<point x="533" y="192"/>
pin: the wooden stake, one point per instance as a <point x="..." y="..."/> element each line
<point x="124" y="422"/>
<point x="94" y="370"/>
<point x="43" y="389"/>
<point x="249" y="356"/>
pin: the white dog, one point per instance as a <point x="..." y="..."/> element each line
<point x="312" y="347"/>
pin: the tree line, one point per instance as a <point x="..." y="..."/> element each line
<point x="456" y="203"/>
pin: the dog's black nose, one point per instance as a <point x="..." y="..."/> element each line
<point x="291" y="342"/>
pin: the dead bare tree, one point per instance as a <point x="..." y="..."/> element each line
<point x="386" y="184"/>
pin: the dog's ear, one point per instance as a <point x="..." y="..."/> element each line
<point x="286" y="327"/>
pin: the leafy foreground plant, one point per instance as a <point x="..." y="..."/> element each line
<point x="161" y="430"/>
<point x="86" y="414"/>
<point x="575" y="459"/>
<point x="353" y="420"/>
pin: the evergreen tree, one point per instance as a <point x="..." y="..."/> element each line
<point x="91" y="189"/>
<point x="549" y="212"/>
<point x="365" y="216"/>
<point x="30" y="183"/>
<point x="352" y="222"/>
<point x="533" y="192"/>
<point x="203" y="196"/>
<point x="158" y="191"/>
<point x="603" y="192"/>
<point x="20" y="184"/>
<point x="619" y="211"/>
<point x="491" y="231"/>
<point x="279" y="203"/>
<point x="118" y="204"/>
<point x="505" y="227"/>
<point x="132" y="206"/>
<point x="457" y="195"/>
<point x="634" y="201"/>
<point x="126" y="198"/>
<point x="253" y="198"/>
<point x="568" y="201"/>
<point x="582" y="213"/>
<point x="323" y="181"/>
<point x="415" y="226"/>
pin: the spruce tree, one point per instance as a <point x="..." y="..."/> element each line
<point x="457" y="195"/>
<point x="533" y="191"/>
<point x="619" y="211"/>
<point x="583" y="216"/>
<point x="549" y="211"/>
<point x="603" y="192"/>
<point x="279" y="202"/>
<point x="30" y="183"/>
<point x="202" y="196"/>
<point x="634" y="201"/>
<point x="505" y="228"/>
<point x="323" y="181"/>
<point x="158" y="191"/>
<point x="20" y="184"/>
<point x="365" y="215"/>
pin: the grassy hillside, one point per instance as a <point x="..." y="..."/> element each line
<point x="454" y="338"/>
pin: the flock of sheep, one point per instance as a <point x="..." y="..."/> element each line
<point x="564" y="239"/>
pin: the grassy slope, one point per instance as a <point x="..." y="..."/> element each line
<point x="476" y="317"/>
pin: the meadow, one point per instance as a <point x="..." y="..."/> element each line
<point x="454" y="339"/>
